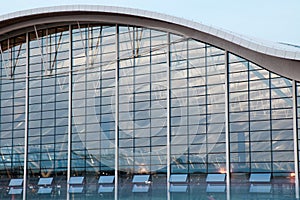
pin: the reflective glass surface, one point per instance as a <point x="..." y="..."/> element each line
<point x="101" y="100"/>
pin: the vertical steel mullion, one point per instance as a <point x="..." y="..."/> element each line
<point x="26" y="118"/>
<point x="87" y="43"/>
<point x="70" y="111"/>
<point x="117" y="113"/>
<point x="168" y="118"/>
<point x="271" y="123"/>
<point x="295" y="131"/>
<point x="227" y="125"/>
<point x="150" y="114"/>
<point x="206" y="109"/>
<point x="47" y="46"/>
<point x="188" y="102"/>
<point x="134" y="29"/>
<point x="10" y="58"/>
<point x="249" y="109"/>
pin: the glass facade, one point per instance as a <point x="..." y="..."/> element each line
<point x="260" y="125"/>
<point x="84" y="103"/>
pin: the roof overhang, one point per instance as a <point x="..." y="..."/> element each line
<point x="282" y="61"/>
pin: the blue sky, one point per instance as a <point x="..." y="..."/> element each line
<point x="273" y="20"/>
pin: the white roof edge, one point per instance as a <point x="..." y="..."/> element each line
<point x="269" y="48"/>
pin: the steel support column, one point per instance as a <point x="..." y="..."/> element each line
<point x="26" y="118"/>
<point x="295" y="131"/>
<point x="168" y="118"/>
<point x="70" y="112"/>
<point x="117" y="112"/>
<point x="227" y="138"/>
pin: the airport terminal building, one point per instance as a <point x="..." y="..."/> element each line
<point x="115" y="103"/>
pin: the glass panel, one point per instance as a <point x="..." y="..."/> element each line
<point x="260" y="103"/>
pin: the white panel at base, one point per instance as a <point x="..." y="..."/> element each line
<point x="75" y="189"/>
<point x="16" y="182"/>
<point x="45" y="181"/>
<point x="178" y="188"/>
<point x="215" y="188"/>
<point x="140" y="188"/>
<point x="215" y="177"/>
<point x="260" y="188"/>
<point x="106" y="179"/>
<point x="104" y="189"/>
<point x="44" y="190"/>
<point x="76" y="180"/>
<point x="178" y="178"/>
<point x="140" y="178"/>
<point x="15" y="191"/>
<point x="262" y="178"/>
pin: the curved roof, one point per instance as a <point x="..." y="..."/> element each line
<point x="280" y="58"/>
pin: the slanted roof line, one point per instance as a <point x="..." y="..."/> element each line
<point x="269" y="48"/>
<point x="278" y="58"/>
